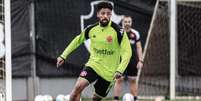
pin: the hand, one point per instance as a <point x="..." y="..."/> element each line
<point x="117" y="75"/>
<point x="60" y="61"/>
<point x="139" y="65"/>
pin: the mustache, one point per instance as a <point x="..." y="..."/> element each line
<point x="105" y="19"/>
<point x="127" y="26"/>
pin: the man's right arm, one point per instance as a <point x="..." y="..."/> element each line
<point x="76" y="42"/>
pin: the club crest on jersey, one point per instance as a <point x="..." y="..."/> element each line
<point x="83" y="73"/>
<point x="109" y="39"/>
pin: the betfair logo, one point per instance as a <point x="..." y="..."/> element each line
<point x="104" y="51"/>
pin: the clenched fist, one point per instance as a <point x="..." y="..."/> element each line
<point x="60" y="61"/>
<point x="117" y="75"/>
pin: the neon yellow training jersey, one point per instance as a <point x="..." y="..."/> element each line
<point x="108" y="45"/>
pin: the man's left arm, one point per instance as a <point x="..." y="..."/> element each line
<point x="139" y="54"/>
<point x="139" y="50"/>
<point x="125" y="52"/>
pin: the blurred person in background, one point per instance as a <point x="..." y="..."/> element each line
<point x="136" y="61"/>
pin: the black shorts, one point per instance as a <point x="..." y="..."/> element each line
<point x="131" y="69"/>
<point x="102" y="87"/>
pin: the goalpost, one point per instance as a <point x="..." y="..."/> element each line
<point x="8" y="65"/>
<point x="173" y="47"/>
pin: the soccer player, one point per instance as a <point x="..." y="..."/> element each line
<point x="136" y="61"/>
<point x="108" y="45"/>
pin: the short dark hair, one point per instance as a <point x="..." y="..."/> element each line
<point x="104" y="5"/>
<point x="127" y="16"/>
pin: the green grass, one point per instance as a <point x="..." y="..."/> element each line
<point x="144" y="100"/>
<point x="109" y="99"/>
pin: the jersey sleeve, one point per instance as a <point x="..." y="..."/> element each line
<point x="138" y="36"/>
<point x="125" y="53"/>
<point x="76" y="42"/>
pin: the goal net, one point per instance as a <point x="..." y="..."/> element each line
<point x="154" y="79"/>
<point x="188" y="79"/>
<point x="155" y="76"/>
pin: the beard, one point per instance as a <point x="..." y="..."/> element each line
<point x="104" y="22"/>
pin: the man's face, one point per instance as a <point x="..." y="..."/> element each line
<point x="127" y="22"/>
<point x="104" y="16"/>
